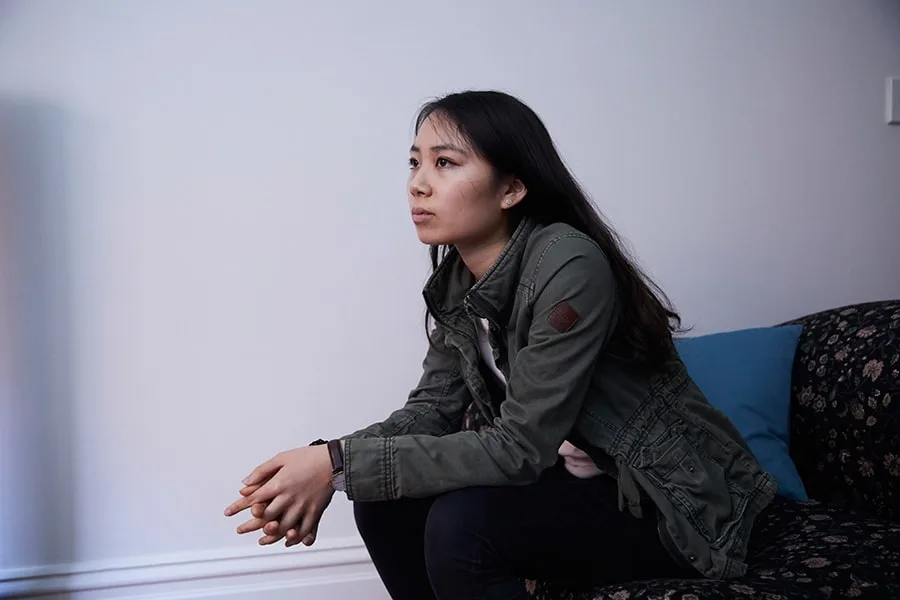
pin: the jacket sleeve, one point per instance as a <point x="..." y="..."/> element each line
<point x="573" y="307"/>
<point x="435" y="406"/>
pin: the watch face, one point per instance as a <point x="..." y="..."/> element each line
<point x="337" y="482"/>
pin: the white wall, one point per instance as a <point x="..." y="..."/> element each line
<point x="219" y="263"/>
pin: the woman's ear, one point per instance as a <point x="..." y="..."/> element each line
<point x="513" y="193"/>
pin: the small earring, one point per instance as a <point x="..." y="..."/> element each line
<point x="509" y="201"/>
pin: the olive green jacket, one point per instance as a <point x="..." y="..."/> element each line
<point x="551" y="302"/>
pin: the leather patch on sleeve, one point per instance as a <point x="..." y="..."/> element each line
<point x="562" y="317"/>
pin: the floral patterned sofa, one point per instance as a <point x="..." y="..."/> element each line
<point x="845" y="442"/>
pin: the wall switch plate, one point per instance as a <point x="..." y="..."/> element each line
<point x="892" y="106"/>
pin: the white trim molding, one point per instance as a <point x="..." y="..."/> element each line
<point x="226" y="573"/>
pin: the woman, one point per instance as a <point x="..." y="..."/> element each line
<point x="552" y="398"/>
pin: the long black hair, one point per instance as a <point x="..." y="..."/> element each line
<point x="513" y="139"/>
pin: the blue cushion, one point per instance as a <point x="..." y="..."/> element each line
<point x="746" y="374"/>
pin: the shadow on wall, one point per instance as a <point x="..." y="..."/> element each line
<point x="36" y="450"/>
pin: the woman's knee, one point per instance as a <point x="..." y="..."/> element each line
<point x="469" y="549"/>
<point x="392" y="520"/>
<point x="373" y="519"/>
<point x="458" y="531"/>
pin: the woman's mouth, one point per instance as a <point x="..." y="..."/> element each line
<point x="420" y="215"/>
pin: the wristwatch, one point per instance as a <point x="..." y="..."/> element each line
<point x="336" y="451"/>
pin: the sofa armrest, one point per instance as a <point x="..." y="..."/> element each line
<point x="845" y="407"/>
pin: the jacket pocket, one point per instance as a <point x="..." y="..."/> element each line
<point x="695" y="484"/>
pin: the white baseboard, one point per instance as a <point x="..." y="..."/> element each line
<point x="337" y="568"/>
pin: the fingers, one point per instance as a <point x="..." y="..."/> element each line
<point x="289" y="520"/>
<point x="264" y="494"/>
<point x="251" y="525"/>
<point x="273" y="529"/>
<point x="258" y="510"/>
<point x="292" y="538"/>
<point x="238" y="506"/>
<point x="258" y="522"/>
<point x="310" y="539"/>
<point x="267" y="540"/>
<point x="309" y="526"/>
<point x="264" y="471"/>
<point x="287" y="527"/>
<point x="305" y="532"/>
<point x="293" y="516"/>
<point x="249" y="489"/>
<point x="277" y="506"/>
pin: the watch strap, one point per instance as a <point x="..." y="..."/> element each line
<point x="335" y="451"/>
<point x="337" y="456"/>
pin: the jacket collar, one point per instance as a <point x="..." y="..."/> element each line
<point x="452" y="287"/>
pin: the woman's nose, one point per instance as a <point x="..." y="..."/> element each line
<point x="418" y="186"/>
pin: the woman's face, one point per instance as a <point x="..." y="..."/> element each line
<point x="454" y="195"/>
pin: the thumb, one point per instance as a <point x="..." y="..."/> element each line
<point x="264" y="471"/>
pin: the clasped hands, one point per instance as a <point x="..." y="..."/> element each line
<point x="286" y="496"/>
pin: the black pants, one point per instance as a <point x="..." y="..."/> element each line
<point x="482" y="543"/>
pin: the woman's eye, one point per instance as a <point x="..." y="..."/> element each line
<point x="413" y="163"/>
<point x="443" y="162"/>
